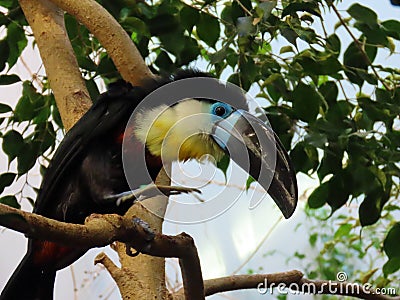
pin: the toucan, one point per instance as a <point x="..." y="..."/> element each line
<point x="88" y="167"/>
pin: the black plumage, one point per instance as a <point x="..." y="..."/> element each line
<point x="86" y="168"/>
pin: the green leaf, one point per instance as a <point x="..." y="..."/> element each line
<point x="370" y="209"/>
<point x="172" y="42"/>
<point x="9" y="79"/>
<point x="208" y="29"/>
<point x="92" y="89"/>
<point x="164" y="62"/>
<point x="10" y="201"/>
<point x="294" y="7"/>
<point x="218" y="56"/>
<point x="330" y="91"/>
<point x="6" y="179"/>
<point x="266" y="7"/>
<point x="106" y="66"/>
<point x="223" y="164"/>
<point x="17" y="42"/>
<point x="286" y="49"/>
<point x="306" y="102"/>
<point x="356" y="62"/>
<point x="189" y="17"/>
<point x="26" y="159"/>
<point x="190" y="52"/>
<point x="13" y="143"/>
<point x="333" y="43"/>
<point x="145" y="9"/>
<point x="339" y="190"/>
<point x="43" y="138"/>
<point x="24" y="110"/>
<point x="392" y="28"/>
<point x="304" y="157"/>
<point x="319" y="196"/>
<point x="290" y="35"/>
<point x="4" y="52"/>
<point x="316" y="139"/>
<point x="363" y="14"/>
<point x="56" y="116"/>
<point x="375" y="35"/>
<point x="136" y="25"/>
<point x="86" y="63"/>
<point x="313" y="239"/>
<point x="343" y="230"/>
<point x="391" y="266"/>
<point x="4" y="108"/>
<point x="331" y="162"/>
<point x="391" y="244"/>
<point x="373" y="109"/>
<point x="162" y="24"/>
<point x="32" y="105"/>
<point x="249" y="181"/>
<point x="320" y="64"/>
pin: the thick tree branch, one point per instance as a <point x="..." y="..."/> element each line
<point x="111" y="35"/>
<point x="98" y="231"/>
<point x="101" y="230"/>
<point x="151" y="269"/>
<point x="47" y="23"/>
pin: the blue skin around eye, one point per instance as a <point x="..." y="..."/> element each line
<point x="222" y="134"/>
<point x="228" y="109"/>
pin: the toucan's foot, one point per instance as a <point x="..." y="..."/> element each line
<point x="149" y="191"/>
<point x="149" y="237"/>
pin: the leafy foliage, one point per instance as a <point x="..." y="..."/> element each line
<point x="349" y="140"/>
<point x="339" y="248"/>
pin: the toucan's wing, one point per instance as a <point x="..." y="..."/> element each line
<point x="108" y="114"/>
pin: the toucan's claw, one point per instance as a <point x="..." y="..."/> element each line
<point x="149" y="191"/>
<point x="148" y="238"/>
<point x="128" y="251"/>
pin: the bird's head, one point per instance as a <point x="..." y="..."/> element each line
<point x="199" y="128"/>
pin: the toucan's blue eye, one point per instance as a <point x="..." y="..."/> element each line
<point x="221" y="109"/>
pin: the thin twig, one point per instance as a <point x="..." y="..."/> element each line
<point x="244" y="8"/>
<point x="359" y="46"/>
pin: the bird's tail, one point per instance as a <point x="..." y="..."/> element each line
<point x="29" y="282"/>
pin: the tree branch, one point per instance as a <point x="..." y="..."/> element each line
<point x="102" y="230"/>
<point x="47" y="23"/>
<point x="98" y="231"/>
<point x="111" y="35"/>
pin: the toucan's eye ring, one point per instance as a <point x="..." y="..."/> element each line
<point x="221" y="109"/>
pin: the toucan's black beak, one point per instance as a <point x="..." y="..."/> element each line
<point x="256" y="148"/>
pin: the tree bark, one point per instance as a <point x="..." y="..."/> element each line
<point x="111" y="35"/>
<point x="148" y="271"/>
<point x="47" y="23"/>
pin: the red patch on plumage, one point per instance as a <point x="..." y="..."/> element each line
<point x="120" y="138"/>
<point x="46" y="252"/>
